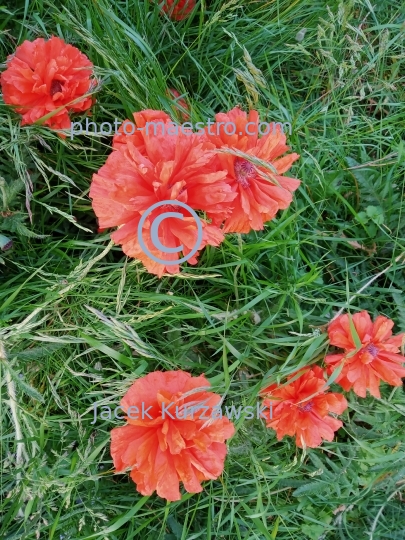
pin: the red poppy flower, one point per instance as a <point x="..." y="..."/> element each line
<point x="173" y="94"/>
<point x="42" y="76"/>
<point x="302" y="408"/>
<point x="152" y="166"/>
<point x="376" y="359"/>
<point x="168" y="443"/>
<point x="177" y="9"/>
<point x="258" y="199"/>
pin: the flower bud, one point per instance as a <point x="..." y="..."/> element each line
<point x="5" y="243"/>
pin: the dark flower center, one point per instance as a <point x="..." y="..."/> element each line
<point x="372" y="349"/>
<point x="244" y="171"/>
<point x="56" y="86"/>
<point x="307" y="407"/>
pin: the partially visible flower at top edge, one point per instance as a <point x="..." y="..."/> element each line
<point x="42" y="76"/>
<point x="5" y="243"/>
<point x="377" y="359"/>
<point x="177" y="9"/>
<point x="302" y="408"/>
<point x="260" y="193"/>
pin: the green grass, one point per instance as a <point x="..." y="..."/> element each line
<point x="79" y="321"/>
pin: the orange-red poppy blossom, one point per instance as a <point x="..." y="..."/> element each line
<point x="376" y="359"/>
<point x="258" y="198"/>
<point x="154" y="165"/>
<point x="301" y="408"/>
<point x="164" y="442"/>
<point x="42" y="76"/>
<point x="177" y="9"/>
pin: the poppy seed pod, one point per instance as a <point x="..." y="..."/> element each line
<point x="5" y="243"/>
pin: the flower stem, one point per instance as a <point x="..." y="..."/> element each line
<point x="12" y="403"/>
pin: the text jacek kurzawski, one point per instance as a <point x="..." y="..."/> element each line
<point x="182" y="412"/>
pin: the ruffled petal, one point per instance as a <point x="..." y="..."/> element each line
<point x="172" y="446"/>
